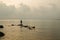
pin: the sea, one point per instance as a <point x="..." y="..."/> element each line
<point x="47" y="29"/>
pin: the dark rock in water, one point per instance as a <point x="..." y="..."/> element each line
<point x="33" y="27"/>
<point x="12" y="24"/>
<point x="1" y="26"/>
<point x="1" y="34"/>
<point x="25" y="26"/>
<point x="20" y="25"/>
<point x="30" y="28"/>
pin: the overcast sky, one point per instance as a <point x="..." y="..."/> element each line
<point x="30" y="9"/>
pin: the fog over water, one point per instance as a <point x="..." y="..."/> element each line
<point x="49" y="10"/>
<point x="43" y="14"/>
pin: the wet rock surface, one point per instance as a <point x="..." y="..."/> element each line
<point x="1" y="34"/>
<point x="1" y="26"/>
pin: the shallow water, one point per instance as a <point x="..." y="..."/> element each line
<point x="45" y="30"/>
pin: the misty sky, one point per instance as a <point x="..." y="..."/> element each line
<point x="40" y="9"/>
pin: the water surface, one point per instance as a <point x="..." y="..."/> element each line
<point x="45" y="30"/>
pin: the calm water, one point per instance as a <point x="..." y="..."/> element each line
<point x="45" y="30"/>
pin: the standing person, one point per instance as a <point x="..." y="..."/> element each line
<point x="21" y="23"/>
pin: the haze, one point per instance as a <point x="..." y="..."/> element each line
<point x="34" y="9"/>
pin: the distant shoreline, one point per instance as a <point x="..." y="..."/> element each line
<point x="26" y="19"/>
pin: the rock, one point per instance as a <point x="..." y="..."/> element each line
<point x="25" y="26"/>
<point x="1" y="26"/>
<point x="30" y="28"/>
<point x="33" y="27"/>
<point x="1" y="34"/>
<point x="12" y="24"/>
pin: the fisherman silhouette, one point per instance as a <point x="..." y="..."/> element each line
<point x="21" y="23"/>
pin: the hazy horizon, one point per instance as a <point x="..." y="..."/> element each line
<point x="41" y="9"/>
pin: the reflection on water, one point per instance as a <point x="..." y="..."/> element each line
<point x="45" y="30"/>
